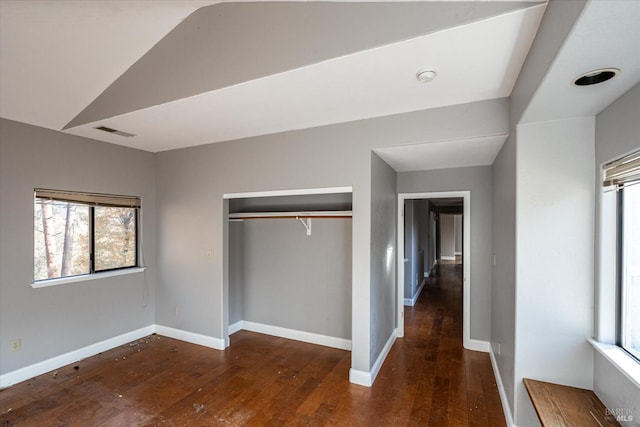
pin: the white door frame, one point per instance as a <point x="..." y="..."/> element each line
<point x="224" y="312"/>
<point x="466" y="258"/>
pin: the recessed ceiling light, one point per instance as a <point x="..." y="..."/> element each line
<point x="425" y="76"/>
<point x="595" y="76"/>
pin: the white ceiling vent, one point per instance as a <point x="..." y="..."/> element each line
<point x="114" y="131"/>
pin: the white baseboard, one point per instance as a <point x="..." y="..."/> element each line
<point x="457" y="253"/>
<point x="39" y="368"/>
<point x="503" y="396"/>
<point x="448" y="258"/>
<point x="427" y="273"/>
<point x="191" y="337"/>
<point x="367" y="378"/>
<point x="56" y="362"/>
<point x="412" y="301"/>
<point x="235" y="327"/>
<point x="360" y="377"/>
<point x="477" y="345"/>
<point x="292" y="334"/>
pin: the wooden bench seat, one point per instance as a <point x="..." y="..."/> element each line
<point x="559" y="405"/>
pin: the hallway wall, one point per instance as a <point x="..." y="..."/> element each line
<point x="478" y="180"/>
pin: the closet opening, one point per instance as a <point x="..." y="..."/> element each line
<point x="289" y="261"/>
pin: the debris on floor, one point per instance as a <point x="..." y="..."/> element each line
<point x="133" y="344"/>
<point x="198" y="407"/>
<point x="76" y="367"/>
<point x="54" y="375"/>
<point x="173" y="349"/>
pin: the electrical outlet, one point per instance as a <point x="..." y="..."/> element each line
<point x="15" y="345"/>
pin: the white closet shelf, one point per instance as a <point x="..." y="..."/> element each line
<point x="291" y="215"/>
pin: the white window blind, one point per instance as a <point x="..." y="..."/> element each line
<point x="91" y="199"/>
<point x="621" y="172"/>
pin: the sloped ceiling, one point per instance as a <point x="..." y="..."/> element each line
<point x="182" y="73"/>
<point x="606" y="35"/>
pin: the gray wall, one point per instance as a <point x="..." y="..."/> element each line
<point x="409" y="256"/>
<point x="236" y="271"/>
<point x="503" y="290"/>
<point x="447" y="236"/>
<point x="432" y="256"/>
<point x="478" y="181"/>
<point x="191" y="231"/>
<point x="55" y="320"/>
<point x="617" y="133"/>
<point x="191" y="183"/>
<point x="417" y="238"/>
<point x="555" y="26"/>
<point x="457" y="225"/>
<point x="383" y="254"/>
<point x="424" y="233"/>
<point x="289" y="279"/>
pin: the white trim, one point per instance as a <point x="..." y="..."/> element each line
<point x="621" y="360"/>
<point x="292" y="334"/>
<point x="447" y="258"/>
<point x="39" y="368"/>
<point x="367" y="378"/>
<point x="272" y="193"/>
<point x="296" y="192"/>
<point x="478" y="345"/>
<point x="503" y="396"/>
<point x="86" y="277"/>
<point x="236" y="327"/>
<point x="412" y="301"/>
<point x="457" y="253"/>
<point x="360" y="377"/>
<point x="191" y="337"/>
<point x="466" y="260"/>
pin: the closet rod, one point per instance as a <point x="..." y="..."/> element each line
<point x="291" y="215"/>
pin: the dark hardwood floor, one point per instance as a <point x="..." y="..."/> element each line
<point x="427" y="380"/>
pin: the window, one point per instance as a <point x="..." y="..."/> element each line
<point x="623" y="175"/>
<point x="83" y="233"/>
<point x="629" y="273"/>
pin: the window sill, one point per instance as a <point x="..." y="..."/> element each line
<point x="627" y="365"/>
<point x="86" y="277"/>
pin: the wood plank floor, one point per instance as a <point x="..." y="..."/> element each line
<point x="427" y="380"/>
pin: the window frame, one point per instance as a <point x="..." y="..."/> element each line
<point x="92" y="251"/>
<point x="620" y="268"/>
<point x="93" y="273"/>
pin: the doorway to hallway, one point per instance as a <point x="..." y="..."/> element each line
<point x="424" y="246"/>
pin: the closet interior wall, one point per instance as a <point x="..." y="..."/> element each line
<point x="280" y="276"/>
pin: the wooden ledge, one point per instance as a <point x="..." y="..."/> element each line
<point x="560" y="405"/>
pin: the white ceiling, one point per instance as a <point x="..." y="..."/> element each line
<point x="607" y="35"/>
<point x="57" y="57"/>
<point x="373" y="83"/>
<point x="437" y="155"/>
